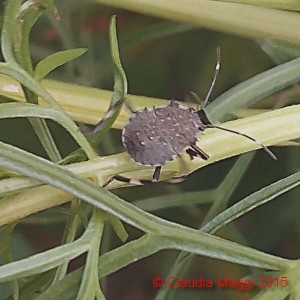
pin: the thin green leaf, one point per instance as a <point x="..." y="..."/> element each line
<point x="269" y="128"/>
<point x="120" y="80"/>
<point x="49" y="217"/>
<point x="243" y="20"/>
<point x="20" y="75"/>
<point x="117" y="100"/>
<point x="222" y="196"/>
<point x="174" y="200"/>
<point x="229" y="185"/>
<point x="14" y="110"/>
<point x="156" y="31"/>
<point x="254" y="89"/>
<point x="22" y="49"/>
<point x="22" y="57"/>
<point x="176" y="236"/>
<point x="29" y="289"/>
<point x="28" y="14"/>
<point x="43" y="261"/>
<point x="51" y="258"/>
<point x="43" y="132"/>
<point x="279" y="52"/>
<point x="279" y="4"/>
<point x="120" y="84"/>
<point x="50" y="196"/>
<point x="9" y="28"/>
<point x="288" y="287"/>
<point x="51" y="62"/>
<point x="71" y="229"/>
<point x="118" y="227"/>
<point x="39" y="4"/>
<point x="14" y="185"/>
<point x="245" y="94"/>
<point x="254" y="200"/>
<point x="108" y="263"/>
<point x="90" y="280"/>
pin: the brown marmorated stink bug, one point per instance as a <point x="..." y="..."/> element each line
<point x="154" y="136"/>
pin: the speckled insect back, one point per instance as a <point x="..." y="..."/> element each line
<point x="155" y="136"/>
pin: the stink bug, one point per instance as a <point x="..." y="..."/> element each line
<point x="154" y="136"/>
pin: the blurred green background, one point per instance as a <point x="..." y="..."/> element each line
<point x="165" y="60"/>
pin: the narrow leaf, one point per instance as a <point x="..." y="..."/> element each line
<point x="120" y="87"/>
<point x="254" y="200"/>
<point x="51" y="62"/>
<point x="242" y="20"/>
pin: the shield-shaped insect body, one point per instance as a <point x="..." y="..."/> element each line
<point x="155" y="136"/>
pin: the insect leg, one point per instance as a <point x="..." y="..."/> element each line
<point x="121" y="178"/>
<point x="118" y="178"/>
<point x="156" y="174"/>
<point x="191" y="153"/>
<point x="195" y="151"/>
<point x="127" y="180"/>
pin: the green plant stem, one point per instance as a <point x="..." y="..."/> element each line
<point x="69" y="236"/>
<point x="269" y="128"/>
<point x="222" y="193"/>
<point x="90" y="287"/>
<point x="245" y="205"/>
<point x="239" y="19"/>
<point x="97" y="101"/>
<point x="19" y="54"/>
<point x="257" y="87"/>
<point x="112" y="261"/>
<point x="178" y="237"/>
<point x="279" y="4"/>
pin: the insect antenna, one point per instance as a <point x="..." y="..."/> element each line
<point x="129" y="107"/>
<point x="266" y="149"/>
<point x="110" y="112"/>
<point x="217" y="69"/>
